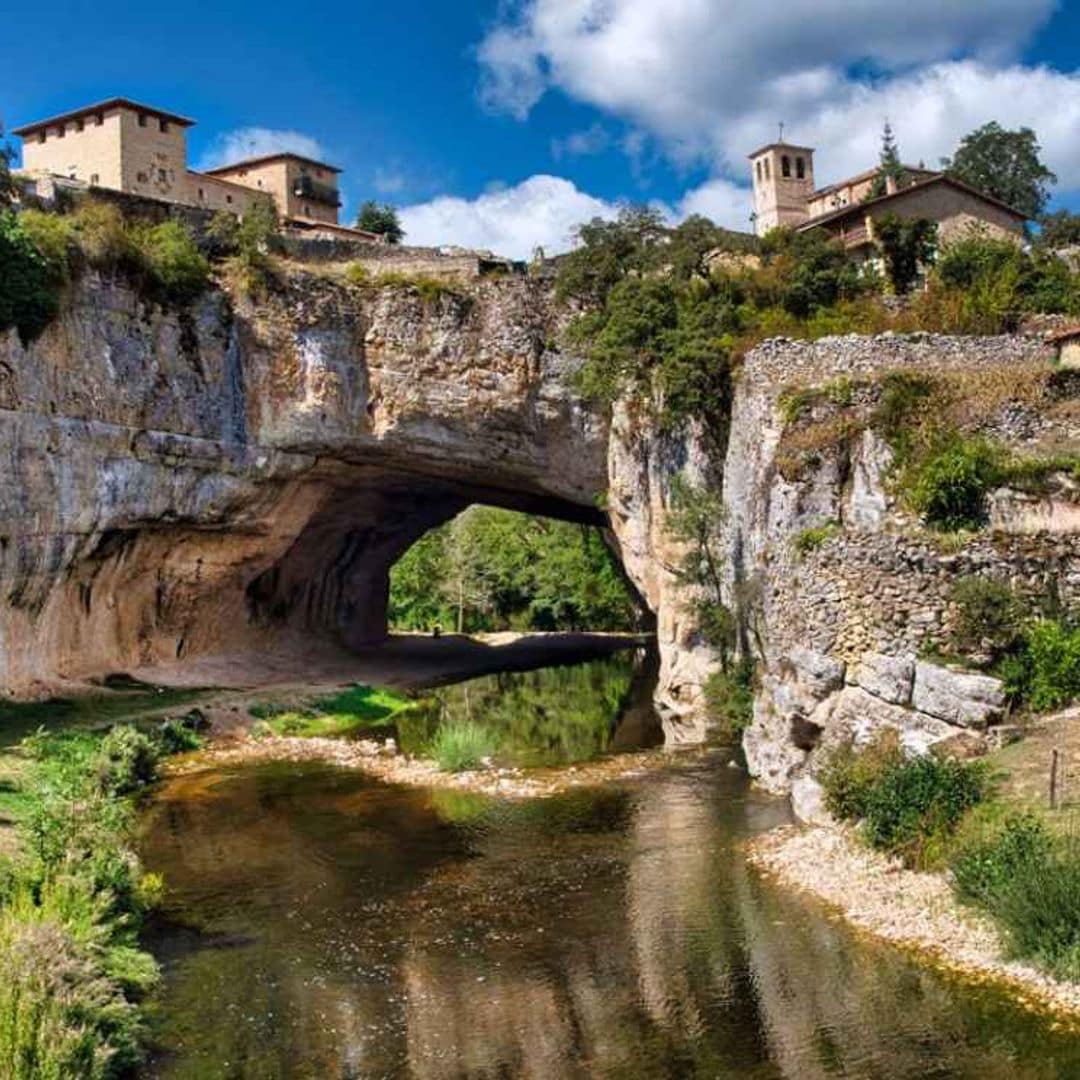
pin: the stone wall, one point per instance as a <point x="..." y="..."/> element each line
<point x="873" y="590"/>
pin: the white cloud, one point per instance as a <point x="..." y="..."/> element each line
<point x="255" y="142"/>
<point x="710" y="79"/>
<point x="720" y="201"/>
<point x="591" y="140"/>
<point x="388" y="181"/>
<point x="546" y="210"/>
<point x="541" y="211"/>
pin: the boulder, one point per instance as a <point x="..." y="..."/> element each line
<point x="816" y="674"/>
<point x="958" y="697"/>
<point x="808" y="802"/>
<point x="887" y="677"/>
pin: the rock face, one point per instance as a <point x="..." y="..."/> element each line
<point x="841" y="614"/>
<point x="223" y="479"/>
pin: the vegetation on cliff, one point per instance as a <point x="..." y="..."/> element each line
<point x="491" y="569"/>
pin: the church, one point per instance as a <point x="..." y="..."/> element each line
<point x="785" y="196"/>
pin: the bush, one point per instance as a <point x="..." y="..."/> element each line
<point x="988" y="856"/>
<point x="55" y="239"/>
<point x="908" y="806"/>
<point x="29" y="287"/>
<point x="178" y="270"/>
<point x="461" y="746"/>
<point x="729" y="698"/>
<point x="915" y="805"/>
<point x="105" y="240"/>
<point x="1051" y="675"/>
<point x="126" y="760"/>
<point x="849" y="775"/>
<point x="809" y="540"/>
<point x="949" y="485"/>
<point x="989" y="616"/>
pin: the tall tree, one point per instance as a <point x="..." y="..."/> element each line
<point x="1059" y="230"/>
<point x="7" y="185"/>
<point x="381" y="218"/>
<point x="1005" y="165"/>
<point x="890" y="166"/>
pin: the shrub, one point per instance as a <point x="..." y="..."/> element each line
<point x="1039" y="910"/>
<point x="1052" y="656"/>
<point x="29" y="287"/>
<point x="729" y="697"/>
<point x="949" y="485"/>
<point x="906" y="246"/>
<point x="849" y="775"/>
<point x="988" y="855"/>
<point x="105" y="240"/>
<point x="177" y="737"/>
<point x="126" y="761"/>
<point x="358" y="274"/>
<point x="54" y="237"/>
<point x="915" y="805"/>
<point x="809" y="540"/>
<point x="988" y="616"/>
<point x="178" y="270"/>
<point x="908" y="806"/>
<point x="461" y="746"/>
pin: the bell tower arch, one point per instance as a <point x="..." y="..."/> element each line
<point x="783" y="179"/>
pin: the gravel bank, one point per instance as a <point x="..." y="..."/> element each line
<point x="915" y="910"/>
<point x="385" y="763"/>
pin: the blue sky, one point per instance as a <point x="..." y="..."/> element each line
<point x="505" y="122"/>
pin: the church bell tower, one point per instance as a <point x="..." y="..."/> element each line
<point x="783" y="177"/>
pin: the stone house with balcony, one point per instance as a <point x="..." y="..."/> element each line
<point x="122" y="145"/>
<point x="785" y="196"/>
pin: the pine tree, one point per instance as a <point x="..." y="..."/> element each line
<point x="890" y="165"/>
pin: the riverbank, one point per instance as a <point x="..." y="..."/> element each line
<point x="917" y="911"/>
<point x="385" y="763"/>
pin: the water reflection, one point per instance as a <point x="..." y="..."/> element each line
<point x="322" y="925"/>
<point x="551" y="716"/>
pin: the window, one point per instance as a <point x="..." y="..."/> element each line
<point x="767" y="169"/>
<point x="785" y="165"/>
<point x="163" y="176"/>
<point x="142" y="177"/>
<point x="94" y="178"/>
<point x="800" y="168"/>
<point x="163" y="125"/>
<point x="99" y="119"/>
<point x="142" y="119"/>
<point x="757" y="171"/>
<point x="79" y="124"/>
<point x="201" y="195"/>
<point x="60" y="132"/>
<point x="228" y="198"/>
<point x="41" y="135"/>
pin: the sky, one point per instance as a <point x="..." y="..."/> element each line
<point x="504" y="124"/>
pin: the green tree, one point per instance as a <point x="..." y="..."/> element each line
<point x="906" y="246"/>
<point x="1059" y="230"/>
<point x="29" y="286"/>
<point x="381" y="218"/>
<point x="607" y="252"/>
<point x="890" y="165"/>
<point x="1005" y="165"/>
<point x="7" y="184"/>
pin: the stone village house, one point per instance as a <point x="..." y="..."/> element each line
<point x="124" y="146"/>
<point x="784" y="195"/>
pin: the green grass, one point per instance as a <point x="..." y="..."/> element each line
<point x="73" y="898"/>
<point x="462" y="745"/>
<point x="355" y="709"/>
<point x="809" y="540"/>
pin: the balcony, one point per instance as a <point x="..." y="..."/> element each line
<point x="306" y="188"/>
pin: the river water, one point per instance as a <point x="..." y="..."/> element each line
<point x="321" y="924"/>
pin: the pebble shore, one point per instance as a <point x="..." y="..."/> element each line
<point x="915" y="910"/>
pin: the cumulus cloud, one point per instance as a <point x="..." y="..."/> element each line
<point x="719" y="200"/>
<point x="542" y="211"/>
<point x="710" y="79"/>
<point x="255" y="142"/>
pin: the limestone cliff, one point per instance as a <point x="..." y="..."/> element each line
<point x="229" y="477"/>
<point x="851" y="593"/>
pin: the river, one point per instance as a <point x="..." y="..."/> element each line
<point x="321" y="924"/>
